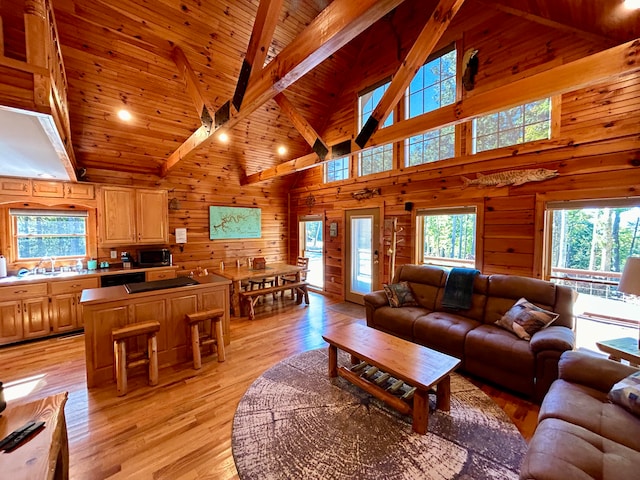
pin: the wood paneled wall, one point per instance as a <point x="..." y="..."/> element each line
<point x="595" y="146"/>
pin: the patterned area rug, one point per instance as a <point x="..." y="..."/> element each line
<point x="296" y="422"/>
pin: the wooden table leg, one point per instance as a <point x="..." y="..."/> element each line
<point x="235" y="298"/>
<point x="333" y="361"/>
<point x="443" y="394"/>
<point x="420" y="411"/>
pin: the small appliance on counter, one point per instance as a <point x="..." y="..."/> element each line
<point x="126" y="259"/>
<point x="157" y="257"/>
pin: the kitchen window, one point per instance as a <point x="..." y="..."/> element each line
<point x="48" y="233"/>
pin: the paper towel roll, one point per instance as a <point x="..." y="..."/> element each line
<point x="3" y="266"/>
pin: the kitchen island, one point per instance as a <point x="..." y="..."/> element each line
<point x="107" y="308"/>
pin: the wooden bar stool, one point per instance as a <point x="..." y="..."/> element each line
<point x="211" y="336"/>
<point x="122" y="361"/>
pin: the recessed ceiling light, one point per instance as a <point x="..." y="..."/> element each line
<point x="282" y="150"/>
<point x="632" y="4"/>
<point x="223" y="137"/>
<point x="124" y="115"/>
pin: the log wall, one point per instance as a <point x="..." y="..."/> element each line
<point x="595" y="147"/>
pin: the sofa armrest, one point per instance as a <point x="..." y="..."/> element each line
<point x="591" y="370"/>
<point x="376" y="299"/>
<point x="555" y="338"/>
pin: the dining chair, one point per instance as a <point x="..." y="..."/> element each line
<point x="300" y="262"/>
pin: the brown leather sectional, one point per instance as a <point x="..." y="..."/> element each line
<point x="581" y="435"/>
<point x="486" y="350"/>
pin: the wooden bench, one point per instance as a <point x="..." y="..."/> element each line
<point x="250" y="297"/>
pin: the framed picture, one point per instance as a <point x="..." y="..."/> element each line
<point x="234" y="222"/>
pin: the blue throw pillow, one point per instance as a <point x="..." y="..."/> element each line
<point x="400" y="295"/>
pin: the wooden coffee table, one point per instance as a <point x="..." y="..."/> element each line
<point x="420" y="367"/>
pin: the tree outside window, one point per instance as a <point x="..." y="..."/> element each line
<point x="447" y="237"/>
<point x="433" y="87"/>
<point x="524" y="123"/>
<point x="46" y="233"/>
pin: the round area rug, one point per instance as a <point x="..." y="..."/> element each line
<point x="296" y="422"/>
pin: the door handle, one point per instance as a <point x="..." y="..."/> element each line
<point x="376" y="258"/>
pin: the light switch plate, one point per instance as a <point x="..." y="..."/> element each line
<point x="114" y="254"/>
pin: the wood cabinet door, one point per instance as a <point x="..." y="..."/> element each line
<point x="35" y="317"/>
<point x="152" y="216"/>
<point x="80" y="191"/>
<point x="11" y="321"/>
<point x="116" y="216"/>
<point x="41" y="188"/>
<point x="64" y="312"/>
<point x="15" y="187"/>
<point x="160" y="274"/>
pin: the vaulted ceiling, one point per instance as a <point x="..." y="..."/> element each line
<point x="118" y="54"/>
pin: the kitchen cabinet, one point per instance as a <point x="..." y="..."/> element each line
<point x="128" y="216"/>
<point x="160" y="274"/>
<point x="42" y="188"/>
<point x="24" y="312"/>
<point x="79" y="191"/>
<point x="66" y="311"/>
<point x="17" y="187"/>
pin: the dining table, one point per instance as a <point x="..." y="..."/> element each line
<point x="238" y="274"/>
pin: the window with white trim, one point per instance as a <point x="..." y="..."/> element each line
<point x="48" y="233"/>
<point x="433" y="87"/>
<point x="337" y="169"/>
<point x="520" y="124"/>
<point x="446" y="236"/>
<point x="380" y="158"/>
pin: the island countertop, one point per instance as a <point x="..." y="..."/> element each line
<point x="105" y="309"/>
<point x="119" y="292"/>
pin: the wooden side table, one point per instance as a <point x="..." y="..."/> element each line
<point x="46" y="454"/>
<point x="621" y="349"/>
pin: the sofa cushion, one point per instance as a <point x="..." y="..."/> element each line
<point x="400" y="295"/>
<point x="443" y="331"/>
<point x="505" y="290"/>
<point x="478" y="299"/>
<point x="425" y="282"/>
<point x="589" y="408"/>
<point x="525" y="318"/>
<point x="626" y="393"/>
<point x="501" y="357"/>
<point x="398" y="321"/>
<point x="563" y="451"/>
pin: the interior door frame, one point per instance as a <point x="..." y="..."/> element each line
<point x="377" y="270"/>
<point x="302" y="242"/>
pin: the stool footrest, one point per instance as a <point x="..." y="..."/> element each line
<point x="137" y="363"/>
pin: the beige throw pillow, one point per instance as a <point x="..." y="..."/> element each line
<point x="524" y="319"/>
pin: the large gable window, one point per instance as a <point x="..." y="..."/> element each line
<point x="524" y="123"/>
<point x="49" y="233"/>
<point x="376" y="159"/>
<point x="446" y="236"/>
<point x="433" y="86"/>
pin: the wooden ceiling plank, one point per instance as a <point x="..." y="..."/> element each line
<point x="303" y="126"/>
<point x="597" y="68"/>
<point x="334" y="27"/>
<point x="547" y="22"/>
<point x="203" y="107"/>
<point x="261" y="35"/>
<point x="417" y="55"/>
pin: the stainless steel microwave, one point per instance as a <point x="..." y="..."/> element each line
<point x="154" y="257"/>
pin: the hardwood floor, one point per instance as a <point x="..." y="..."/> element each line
<point x="181" y="429"/>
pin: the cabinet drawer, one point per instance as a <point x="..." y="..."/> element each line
<point x="160" y="275"/>
<point x="73" y="286"/>
<point x="22" y="291"/>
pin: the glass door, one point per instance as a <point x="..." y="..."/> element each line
<point x="362" y="252"/>
<point x="311" y="246"/>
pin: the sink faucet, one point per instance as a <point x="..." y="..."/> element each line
<point x="53" y="262"/>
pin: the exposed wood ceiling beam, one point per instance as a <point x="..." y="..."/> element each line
<point x="547" y="22"/>
<point x="203" y="106"/>
<point x="417" y="55"/>
<point x="334" y="27"/>
<point x="304" y="127"/>
<point x="261" y="35"/>
<point x="597" y="68"/>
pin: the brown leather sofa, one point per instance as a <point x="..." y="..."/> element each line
<point x="486" y="350"/>
<point x="580" y="434"/>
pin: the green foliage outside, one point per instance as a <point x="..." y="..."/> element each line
<point x="450" y="236"/>
<point x="43" y="236"/>
<point x="524" y="123"/>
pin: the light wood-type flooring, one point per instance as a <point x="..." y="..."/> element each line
<point x="181" y="429"/>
